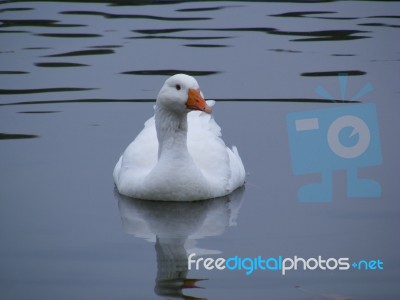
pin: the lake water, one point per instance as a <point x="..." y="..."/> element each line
<point x="77" y="82"/>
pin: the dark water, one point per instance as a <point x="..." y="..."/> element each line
<point x="77" y="82"/>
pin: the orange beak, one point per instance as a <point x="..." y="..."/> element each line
<point x="196" y="102"/>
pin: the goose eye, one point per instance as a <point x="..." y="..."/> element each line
<point x="178" y="87"/>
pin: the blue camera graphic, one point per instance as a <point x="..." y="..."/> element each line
<point x="325" y="140"/>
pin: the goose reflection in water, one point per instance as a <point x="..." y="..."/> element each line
<point x="175" y="228"/>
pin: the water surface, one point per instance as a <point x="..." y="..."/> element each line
<point x="77" y="82"/>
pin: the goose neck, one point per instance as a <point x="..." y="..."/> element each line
<point x="171" y="129"/>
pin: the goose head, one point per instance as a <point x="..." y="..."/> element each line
<point x="181" y="94"/>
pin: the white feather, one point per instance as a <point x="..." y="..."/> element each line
<point x="206" y="168"/>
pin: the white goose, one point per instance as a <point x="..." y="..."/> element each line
<point x="179" y="155"/>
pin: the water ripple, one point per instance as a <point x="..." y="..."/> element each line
<point x="16" y="136"/>
<point x="45" y="90"/>
<point x="13" y="31"/>
<point x="105" y="46"/>
<point x="206" y="45"/>
<point x="36" y="23"/>
<point x="309" y="14"/>
<point x="170" y="37"/>
<point x="69" y="35"/>
<point x="386" y="17"/>
<point x="319" y="35"/>
<point x="379" y="25"/>
<point x="59" y="65"/>
<point x="15" y="9"/>
<point x="247" y="100"/>
<point x="170" y="72"/>
<point x="168" y="30"/>
<point x="301" y="14"/>
<point x="213" y="8"/>
<point x="13" y="72"/>
<point x="82" y="52"/>
<point x="285" y="50"/>
<point x="126" y="16"/>
<point x="334" y="73"/>
<point x="39" y="112"/>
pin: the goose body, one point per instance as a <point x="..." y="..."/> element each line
<point x="179" y="155"/>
